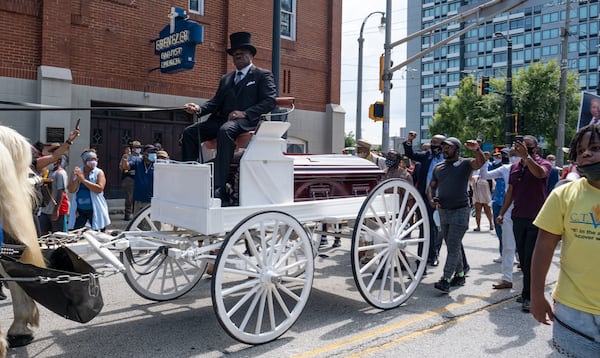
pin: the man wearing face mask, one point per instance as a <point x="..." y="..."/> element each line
<point x="363" y="150"/>
<point x="128" y="176"/>
<point x="428" y="159"/>
<point x="144" y="176"/>
<point x="53" y="215"/>
<point x="527" y="190"/>
<point x="88" y="203"/>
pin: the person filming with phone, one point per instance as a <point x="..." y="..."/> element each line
<point x="527" y="189"/>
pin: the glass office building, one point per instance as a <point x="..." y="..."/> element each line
<point x="535" y="30"/>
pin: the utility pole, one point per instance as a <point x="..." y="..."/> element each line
<point x="387" y="77"/>
<point x="361" y="40"/>
<point x="562" y="107"/>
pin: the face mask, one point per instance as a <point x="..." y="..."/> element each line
<point x="514" y="159"/>
<point x="590" y="171"/>
<point x="497" y="161"/>
<point x="436" y="149"/>
<point x="92" y="164"/>
<point x="152" y="157"/>
<point x="553" y="162"/>
<point x="138" y="150"/>
<point x="390" y="163"/>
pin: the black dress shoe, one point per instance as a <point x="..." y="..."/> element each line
<point x="223" y="195"/>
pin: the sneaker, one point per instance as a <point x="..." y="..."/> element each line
<point x="442" y="285"/>
<point x="457" y="281"/>
<point x="336" y="242"/>
<point x="498" y="260"/>
<point x="323" y="242"/>
<point x="526" y="305"/>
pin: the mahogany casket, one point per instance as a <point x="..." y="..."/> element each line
<point x="331" y="176"/>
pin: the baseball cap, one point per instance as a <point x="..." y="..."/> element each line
<point x="452" y="141"/>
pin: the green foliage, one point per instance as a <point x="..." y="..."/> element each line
<point x="535" y="95"/>
<point x="349" y="140"/>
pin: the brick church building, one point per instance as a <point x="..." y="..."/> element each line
<point x="82" y="54"/>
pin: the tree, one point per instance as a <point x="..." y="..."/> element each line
<point x="349" y="140"/>
<point x="535" y="96"/>
<point x="466" y="115"/>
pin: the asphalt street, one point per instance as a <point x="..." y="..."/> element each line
<point x="473" y="320"/>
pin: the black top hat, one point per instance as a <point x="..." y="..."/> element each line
<point x="241" y="40"/>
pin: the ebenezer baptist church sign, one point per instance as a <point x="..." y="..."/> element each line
<point x="177" y="41"/>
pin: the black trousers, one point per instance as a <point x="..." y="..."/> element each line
<point x="225" y="132"/>
<point x="525" y="238"/>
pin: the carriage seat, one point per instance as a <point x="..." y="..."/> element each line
<point x="240" y="142"/>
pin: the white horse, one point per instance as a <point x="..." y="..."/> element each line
<point x="16" y="198"/>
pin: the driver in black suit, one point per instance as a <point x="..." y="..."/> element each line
<point x="243" y="96"/>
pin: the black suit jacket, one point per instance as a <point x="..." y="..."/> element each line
<point x="423" y="157"/>
<point x="255" y="95"/>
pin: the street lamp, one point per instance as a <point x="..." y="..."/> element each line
<point x="361" y="40"/>
<point x="509" y="124"/>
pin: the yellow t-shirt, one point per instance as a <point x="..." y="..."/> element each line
<point x="573" y="211"/>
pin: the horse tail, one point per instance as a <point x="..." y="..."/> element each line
<point x="17" y="194"/>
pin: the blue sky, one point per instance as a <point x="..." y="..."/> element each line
<point x="353" y="14"/>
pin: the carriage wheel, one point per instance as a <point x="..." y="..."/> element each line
<point x="151" y="270"/>
<point x="263" y="277"/>
<point x="387" y="263"/>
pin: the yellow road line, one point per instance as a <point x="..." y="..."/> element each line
<point x="375" y="332"/>
<point x="423" y="332"/>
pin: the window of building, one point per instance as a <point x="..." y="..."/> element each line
<point x="582" y="64"/>
<point x="593" y="64"/>
<point x="593" y="80"/>
<point x="196" y="6"/>
<point x="537" y="22"/>
<point x="582" y="31"/>
<point x="593" y="45"/>
<point x="583" y="81"/>
<point x="583" y="47"/>
<point x="454" y="77"/>
<point x="288" y="19"/>
<point x="593" y="10"/>
<point x="583" y="13"/>
<point x="593" y="28"/>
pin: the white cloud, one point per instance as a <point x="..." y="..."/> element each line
<point x="353" y="14"/>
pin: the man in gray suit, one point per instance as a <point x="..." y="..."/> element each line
<point x="243" y="96"/>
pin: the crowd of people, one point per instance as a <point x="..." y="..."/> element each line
<point x="531" y="209"/>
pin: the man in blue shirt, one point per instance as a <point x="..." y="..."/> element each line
<point x="144" y="176"/>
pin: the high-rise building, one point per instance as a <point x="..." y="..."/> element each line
<point x="534" y="29"/>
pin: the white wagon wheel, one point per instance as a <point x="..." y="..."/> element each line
<point x="263" y="277"/>
<point x="390" y="226"/>
<point x="151" y="270"/>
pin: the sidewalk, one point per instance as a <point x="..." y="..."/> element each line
<point x="116" y="210"/>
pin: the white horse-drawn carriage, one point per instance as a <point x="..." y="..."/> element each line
<point x="261" y="253"/>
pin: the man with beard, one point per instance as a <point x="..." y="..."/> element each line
<point x="428" y="160"/>
<point x="447" y="192"/>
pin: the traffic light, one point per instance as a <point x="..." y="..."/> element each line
<point x="376" y="111"/>
<point x="381" y="71"/>
<point x="484" y="85"/>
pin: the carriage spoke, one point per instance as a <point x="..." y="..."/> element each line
<point x="279" y="251"/>
<point x="382" y="246"/>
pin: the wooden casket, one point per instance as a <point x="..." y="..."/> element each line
<point x="332" y="176"/>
